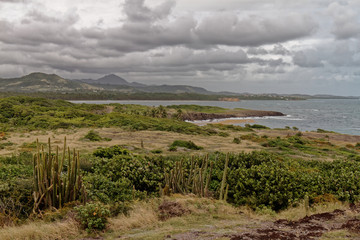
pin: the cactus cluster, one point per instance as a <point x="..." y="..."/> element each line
<point x="195" y="181"/>
<point x="53" y="187"/>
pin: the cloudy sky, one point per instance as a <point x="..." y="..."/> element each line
<point x="259" y="46"/>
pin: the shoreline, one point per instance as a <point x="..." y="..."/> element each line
<point x="231" y="115"/>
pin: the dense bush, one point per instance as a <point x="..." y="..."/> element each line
<point x="186" y="144"/>
<point x="93" y="216"/>
<point x="119" y="175"/>
<point x="16" y="199"/>
<point x="95" y="137"/>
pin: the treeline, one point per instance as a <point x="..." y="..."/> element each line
<point x="112" y="95"/>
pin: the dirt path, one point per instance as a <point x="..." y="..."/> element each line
<point x="308" y="228"/>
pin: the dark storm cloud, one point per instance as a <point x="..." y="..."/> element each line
<point x="148" y="42"/>
<point x="147" y="28"/>
<point x="280" y="50"/>
<point x="136" y="11"/>
<point x="37" y="28"/>
<point x="229" y="29"/>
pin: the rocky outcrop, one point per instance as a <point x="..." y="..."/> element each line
<point x="193" y="116"/>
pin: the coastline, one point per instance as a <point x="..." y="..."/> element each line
<point x="237" y="115"/>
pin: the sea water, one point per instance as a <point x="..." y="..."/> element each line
<point x="339" y="115"/>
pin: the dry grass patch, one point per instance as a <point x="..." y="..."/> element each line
<point x="68" y="229"/>
<point x="143" y="214"/>
<point x="299" y="212"/>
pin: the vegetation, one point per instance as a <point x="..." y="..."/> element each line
<point x="105" y="185"/>
<point x="185" y="144"/>
<point x="52" y="187"/>
<point x="38" y="113"/>
<point x="95" y="137"/>
<point x="93" y="216"/>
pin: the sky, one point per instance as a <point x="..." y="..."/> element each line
<point x="256" y="46"/>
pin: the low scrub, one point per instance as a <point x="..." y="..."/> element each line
<point x="186" y="144"/>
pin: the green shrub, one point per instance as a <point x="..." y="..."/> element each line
<point x="237" y="140"/>
<point x="172" y="149"/>
<point x="111" y="152"/>
<point x="223" y="134"/>
<point x="256" y="126"/>
<point x="95" y="137"/>
<point x="186" y="144"/>
<point x="156" y="151"/>
<point x="319" y="130"/>
<point x="93" y="216"/>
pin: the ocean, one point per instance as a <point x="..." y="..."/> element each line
<point x="338" y="115"/>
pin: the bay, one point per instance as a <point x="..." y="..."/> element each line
<point x="338" y="115"/>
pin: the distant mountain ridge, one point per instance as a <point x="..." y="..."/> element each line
<point x="42" y="82"/>
<point x="114" y="80"/>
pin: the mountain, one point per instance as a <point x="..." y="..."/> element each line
<point x="111" y="79"/>
<point x="174" y="89"/>
<point x="42" y="82"/>
<point x="116" y="83"/>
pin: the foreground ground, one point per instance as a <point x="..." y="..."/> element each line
<point x="188" y="217"/>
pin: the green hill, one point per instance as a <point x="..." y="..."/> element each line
<point x="42" y="82"/>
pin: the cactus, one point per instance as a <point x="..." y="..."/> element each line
<point x="306" y="203"/>
<point x="52" y="188"/>
<point x="196" y="180"/>
<point x="224" y="178"/>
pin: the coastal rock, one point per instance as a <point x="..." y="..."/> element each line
<point x="194" y="116"/>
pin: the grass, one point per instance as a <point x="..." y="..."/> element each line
<point x="143" y="222"/>
<point x="205" y="215"/>
<point x="39" y="230"/>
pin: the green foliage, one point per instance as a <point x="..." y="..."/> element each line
<point x="223" y="134"/>
<point x="252" y="137"/>
<point x="106" y="190"/>
<point x="16" y="201"/>
<point x="156" y="151"/>
<point x="6" y="144"/>
<point x="38" y="113"/>
<point x="319" y="130"/>
<point x="256" y="126"/>
<point x="186" y="144"/>
<point x="237" y="140"/>
<point x="93" y="216"/>
<point x="110" y="152"/>
<point x="172" y="149"/>
<point x="95" y="137"/>
<point x="198" y="108"/>
<point x="119" y="175"/>
<point x="232" y="127"/>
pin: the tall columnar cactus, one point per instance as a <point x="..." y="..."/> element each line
<point x="195" y="181"/>
<point x="223" y="182"/>
<point x="53" y="186"/>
